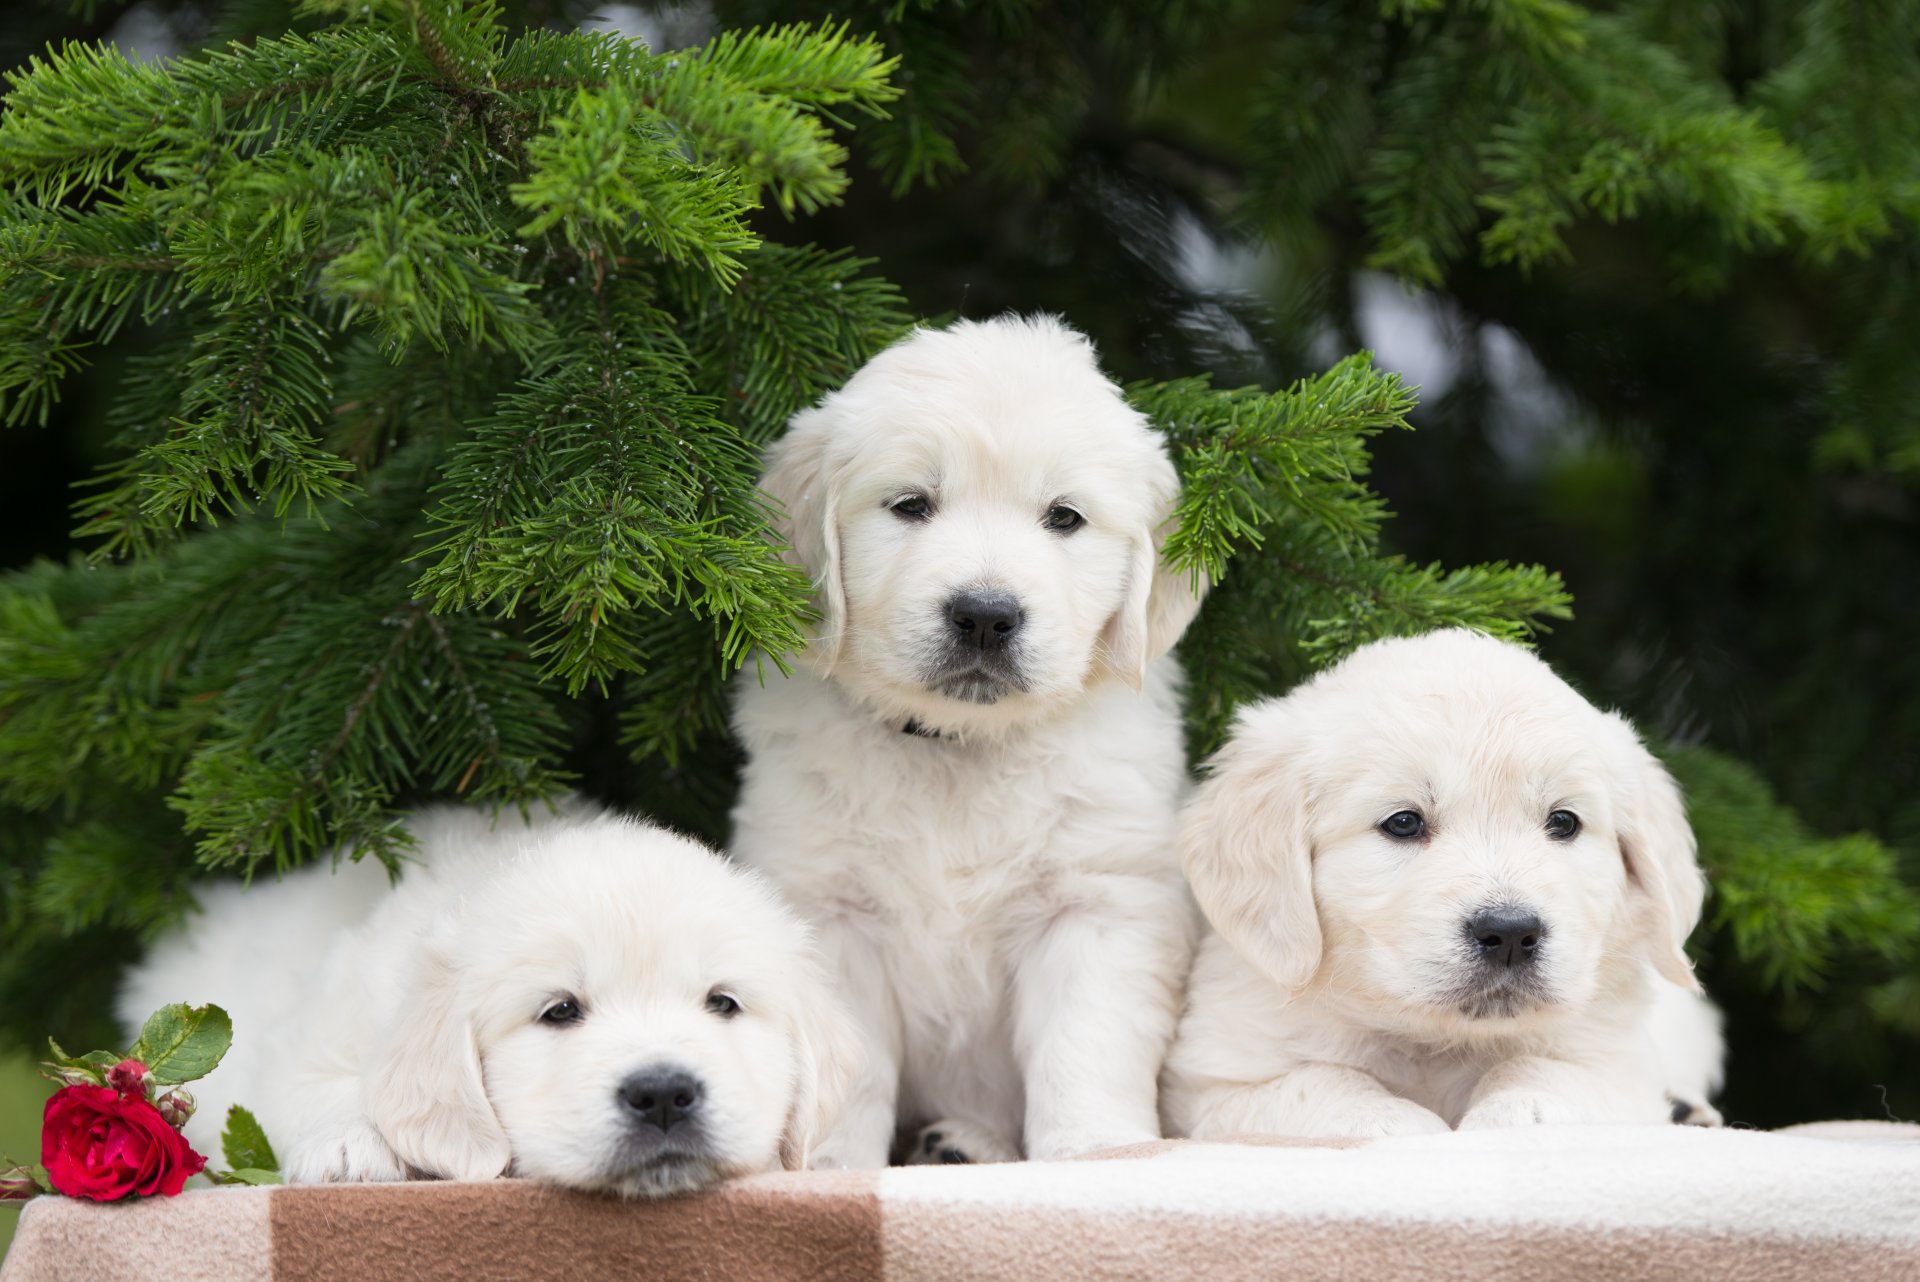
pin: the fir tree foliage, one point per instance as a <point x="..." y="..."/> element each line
<point x="1500" y="126"/>
<point x="1276" y="483"/>
<point x="444" y="347"/>
<point x="452" y="351"/>
<point x="1449" y="132"/>
<point x="446" y="396"/>
<point x="1791" y="902"/>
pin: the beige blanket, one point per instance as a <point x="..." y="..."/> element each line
<point x="1837" y="1201"/>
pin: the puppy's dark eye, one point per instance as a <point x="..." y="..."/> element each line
<point x="1062" y="519"/>
<point x="723" y="1004"/>
<point x="911" y="507"/>
<point x="1563" y="825"/>
<point x="564" y="1011"/>
<point x="1404" y="825"/>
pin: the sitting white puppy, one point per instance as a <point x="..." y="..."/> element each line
<point x="970" y="780"/>
<point x="588" y="1001"/>
<point x="1446" y="891"/>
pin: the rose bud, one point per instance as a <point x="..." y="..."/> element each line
<point x="70" y="1076"/>
<point x="176" y="1106"/>
<point x="129" y="1077"/>
<point x="17" y="1185"/>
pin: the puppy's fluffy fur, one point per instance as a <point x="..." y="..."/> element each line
<point x="1345" y="989"/>
<point x="414" y="1030"/>
<point x="982" y="833"/>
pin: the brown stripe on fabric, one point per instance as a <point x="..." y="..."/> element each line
<point x="767" y="1228"/>
<point x="949" y="1242"/>
<point x="215" y="1235"/>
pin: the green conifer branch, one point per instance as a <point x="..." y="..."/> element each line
<point x="793" y="326"/>
<point x="1790" y="903"/>
<point x="1245" y="455"/>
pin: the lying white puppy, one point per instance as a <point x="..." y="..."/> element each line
<point x="589" y="1001"/>
<point x="969" y="782"/>
<point x="1442" y="884"/>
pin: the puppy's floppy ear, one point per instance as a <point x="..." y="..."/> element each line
<point x="1160" y="601"/>
<point x="1248" y="852"/>
<point x="1658" y="846"/>
<point x="797" y="479"/>
<point x="422" y="1088"/>
<point x="827" y="1058"/>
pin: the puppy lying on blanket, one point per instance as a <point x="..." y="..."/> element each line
<point x="589" y="1001"/>
<point x="1445" y="891"/>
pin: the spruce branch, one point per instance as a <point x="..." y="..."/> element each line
<point x="246" y="435"/>
<point x="606" y="177"/>
<point x="1792" y="904"/>
<point x="793" y="326"/>
<point x="1244" y="454"/>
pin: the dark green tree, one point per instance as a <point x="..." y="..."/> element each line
<point x="428" y="351"/>
<point x="1695" y="224"/>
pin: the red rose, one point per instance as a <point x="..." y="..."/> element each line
<point x="101" y="1145"/>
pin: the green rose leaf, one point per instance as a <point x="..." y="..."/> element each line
<point x="246" y="1149"/>
<point x="180" y="1043"/>
<point x="251" y="1176"/>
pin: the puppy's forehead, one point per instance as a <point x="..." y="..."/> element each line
<point x="990" y="399"/>
<point x="1025" y="451"/>
<point x="1481" y="759"/>
<point x="1461" y="716"/>
<point x="614" y="904"/>
<point x="1453" y="678"/>
<point x="1008" y="354"/>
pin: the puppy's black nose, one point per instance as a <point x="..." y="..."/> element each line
<point x="984" y="619"/>
<point x="661" y="1097"/>
<point x="1506" y="936"/>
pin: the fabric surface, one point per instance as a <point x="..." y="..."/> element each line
<point x="1829" y="1201"/>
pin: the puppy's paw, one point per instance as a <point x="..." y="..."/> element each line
<point x="356" y="1156"/>
<point x="1062" y="1143"/>
<point x="836" y="1153"/>
<point x="954" y="1141"/>
<point x="1374" y="1119"/>
<point x="1500" y="1110"/>
<point x="1694" y="1112"/>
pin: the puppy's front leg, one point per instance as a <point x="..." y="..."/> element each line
<point x="327" y="1136"/>
<point x="862" y="1135"/>
<point x="1095" y="998"/>
<point x="1531" y="1090"/>
<point x="1314" y="1101"/>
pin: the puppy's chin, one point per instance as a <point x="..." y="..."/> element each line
<point x="660" y="1173"/>
<point x="1461" y="1009"/>
<point x="953" y="705"/>
<point x="973" y="705"/>
<point x="1503" y="1004"/>
<point x="668" y="1175"/>
<point x="983" y="701"/>
<point x="981" y="689"/>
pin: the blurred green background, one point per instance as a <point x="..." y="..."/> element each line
<point x="1706" y="421"/>
<point x="22" y="1091"/>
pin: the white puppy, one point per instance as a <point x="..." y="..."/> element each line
<point x="969" y="781"/>
<point x="589" y="1001"/>
<point x="1446" y="891"/>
